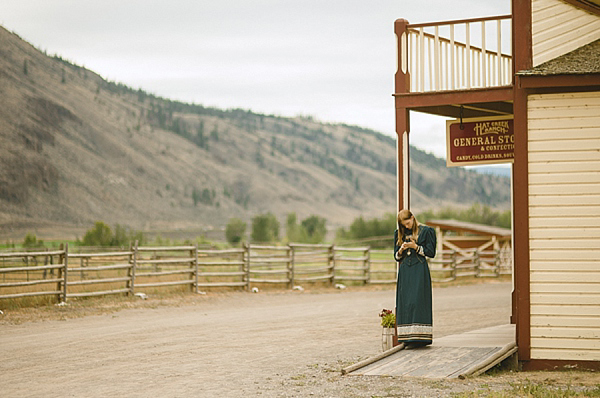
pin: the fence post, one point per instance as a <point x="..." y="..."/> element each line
<point x="292" y="264"/>
<point x="247" y="254"/>
<point x="130" y="262"/>
<point x="453" y="265"/>
<point x="332" y="262"/>
<point x="61" y="260"/>
<point x="45" y="263"/>
<point x="27" y="265"/>
<point x="367" y="265"/>
<point x="133" y="267"/>
<point x="243" y="266"/>
<point x="192" y="268"/>
<point x="477" y="263"/>
<point x="497" y="262"/>
<point x="66" y="272"/>
<point x="196" y="267"/>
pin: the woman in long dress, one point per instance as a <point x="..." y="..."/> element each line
<point x="414" y="315"/>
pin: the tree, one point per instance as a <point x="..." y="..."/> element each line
<point x="310" y="230"/>
<point x="120" y="237"/>
<point x="124" y="236"/>
<point x="206" y="196"/>
<point x="476" y="214"/>
<point x="214" y="134"/>
<point x="265" y="228"/>
<point x="358" y="229"/>
<point x="100" y="235"/>
<point x="293" y="230"/>
<point x="195" y="195"/>
<point x="315" y="228"/>
<point x="32" y="241"/>
<point x="361" y="228"/>
<point x="235" y="231"/>
<point x="259" y="158"/>
<point x="200" y="139"/>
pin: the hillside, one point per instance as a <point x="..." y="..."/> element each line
<point x="77" y="148"/>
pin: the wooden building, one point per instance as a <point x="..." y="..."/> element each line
<point x="493" y="245"/>
<point x="548" y="79"/>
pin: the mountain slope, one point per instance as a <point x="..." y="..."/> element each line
<point x="77" y="148"/>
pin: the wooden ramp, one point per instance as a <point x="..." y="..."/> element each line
<point x="455" y="356"/>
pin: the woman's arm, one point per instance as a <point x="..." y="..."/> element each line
<point x="397" y="253"/>
<point x="427" y="241"/>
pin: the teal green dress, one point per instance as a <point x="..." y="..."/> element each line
<point x="414" y="313"/>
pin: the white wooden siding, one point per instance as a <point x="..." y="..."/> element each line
<point x="559" y="28"/>
<point x="564" y="225"/>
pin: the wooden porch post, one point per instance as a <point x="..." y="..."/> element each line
<point x="522" y="60"/>
<point x="402" y="85"/>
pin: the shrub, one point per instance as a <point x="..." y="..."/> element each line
<point x="311" y="230"/>
<point x="32" y="241"/>
<point x="315" y="229"/>
<point x="361" y="228"/>
<point x="476" y="214"/>
<point x="100" y="235"/>
<point x="235" y="231"/>
<point x="265" y="228"/>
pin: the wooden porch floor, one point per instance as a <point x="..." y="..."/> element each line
<point x="453" y="356"/>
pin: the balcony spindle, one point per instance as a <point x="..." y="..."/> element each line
<point x="468" y="52"/>
<point x="500" y="80"/>
<point x="483" y="55"/>
<point x="417" y="69"/>
<point x="452" y="65"/>
<point x="436" y="58"/>
<point x="430" y="62"/>
<point x="465" y="66"/>
<point x="447" y="67"/>
<point x="422" y="58"/>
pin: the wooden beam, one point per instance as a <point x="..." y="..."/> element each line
<point x="535" y="81"/>
<point x="469" y="111"/>
<point x="502" y="108"/>
<point x="458" y="97"/>
<point x="589" y="6"/>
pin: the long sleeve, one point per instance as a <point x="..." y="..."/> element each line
<point x="428" y="241"/>
<point x="396" y="247"/>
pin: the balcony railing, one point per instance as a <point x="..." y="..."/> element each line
<point x="454" y="55"/>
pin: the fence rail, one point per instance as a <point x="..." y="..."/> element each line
<point x="70" y="275"/>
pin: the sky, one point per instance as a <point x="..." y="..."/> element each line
<point x="332" y="60"/>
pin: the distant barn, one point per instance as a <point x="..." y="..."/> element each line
<point x="465" y="237"/>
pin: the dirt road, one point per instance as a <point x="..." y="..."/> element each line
<point x="230" y="345"/>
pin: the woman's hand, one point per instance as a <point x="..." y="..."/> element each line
<point x="411" y="244"/>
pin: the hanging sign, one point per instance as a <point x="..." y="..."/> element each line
<point x="484" y="140"/>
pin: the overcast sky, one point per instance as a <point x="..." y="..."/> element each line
<point x="333" y="60"/>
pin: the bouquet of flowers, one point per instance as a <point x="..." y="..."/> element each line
<point x="388" y="318"/>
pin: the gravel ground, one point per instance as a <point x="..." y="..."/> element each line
<point x="268" y="344"/>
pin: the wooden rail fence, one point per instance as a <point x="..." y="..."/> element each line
<point x="68" y="275"/>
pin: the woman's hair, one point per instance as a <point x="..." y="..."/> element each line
<point x="403" y="215"/>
